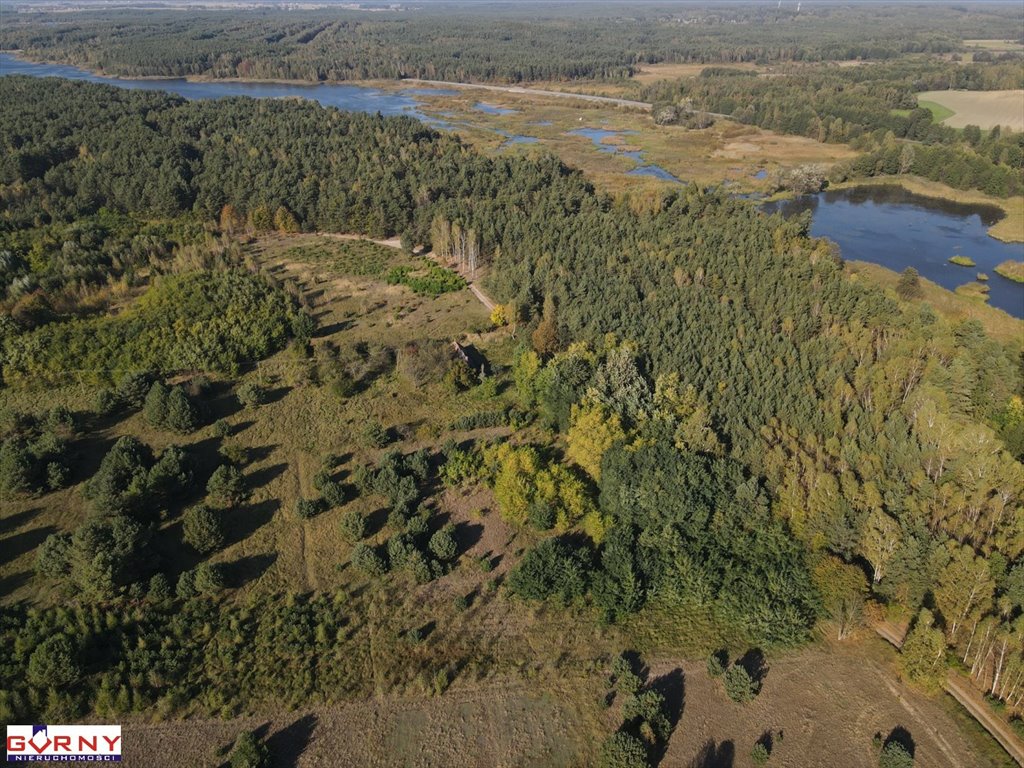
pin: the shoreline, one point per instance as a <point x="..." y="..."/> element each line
<point x="998" y="323"/>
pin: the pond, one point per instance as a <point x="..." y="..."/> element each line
<point x="654" y="170"/>
<point x="887" y="225"/>
<point x="598" y="135"/>
<point x="490" y="109"/>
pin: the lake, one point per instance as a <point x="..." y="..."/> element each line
<point x="887" y="225"/>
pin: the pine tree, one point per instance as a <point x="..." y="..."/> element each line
<point x="182" y="415"/>
<point x="155" y="406"/>
<point x="909" y="285"/>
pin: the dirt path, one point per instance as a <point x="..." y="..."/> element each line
<point x="961" y="690"/>
<point x="537" y="92"/>
<point x="521" y="91"/>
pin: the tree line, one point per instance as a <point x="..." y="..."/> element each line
<point x="499" y="44"/>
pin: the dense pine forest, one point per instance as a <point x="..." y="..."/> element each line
<point x="505" y="44"/>
<point x="720" y="418"/>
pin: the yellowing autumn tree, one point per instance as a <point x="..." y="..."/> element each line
<point x="593" y="430"/>
<point x="923" y="651"/>
<point x="515" y="469"/>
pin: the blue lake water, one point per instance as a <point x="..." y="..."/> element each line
<point x="356" y="98"/>
<point x="653" y="170"/>
<point x="887" y="225"/>
<point x="490" y="109"/>
<point x="598" y="136"/>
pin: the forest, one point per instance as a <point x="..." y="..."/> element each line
<point x="720" y="417"/>
<point x="503" y="44"/>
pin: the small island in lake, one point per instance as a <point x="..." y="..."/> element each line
<point x="1012" y="270"/>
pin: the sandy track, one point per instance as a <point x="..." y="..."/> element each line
<point x="961" y="690"/>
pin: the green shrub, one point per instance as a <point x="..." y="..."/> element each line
<point x="308" y="508"/>
<point x="367" y="560"/>
<point x="551" y="569"/>
<point x="353" y="526"/>
<point x="375" y="435"/>
<point x="226" y="487"/>
<point x="209" y="578"/>
<point x="895" y="755"/>
<point x="202" y="529"/>
<point x="251" y="394"/>
<point x="443" y="543"/>
<point x="715" y="664"/>
<point x="623" y="750"/>
<point x="182" y="414"/>
<point x="54" y="663"/>
<point x="739" y="686"/>
<point x="249" y="752"/>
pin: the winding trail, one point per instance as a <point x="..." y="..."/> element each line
<point x="961" y="690"/>
<point x="536" y="92"/>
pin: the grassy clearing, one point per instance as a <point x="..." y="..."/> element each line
<point x="361" y="258"/>
<point x="995" y="45"/>
<point x="939" y="112"/>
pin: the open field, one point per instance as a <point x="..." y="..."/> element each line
<point x="821" y="700"/>
<point x="995" y="45"/>
<point x="939" y="112"/>
<point x="651" y="73"/>
<point x="984" y="109"/>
